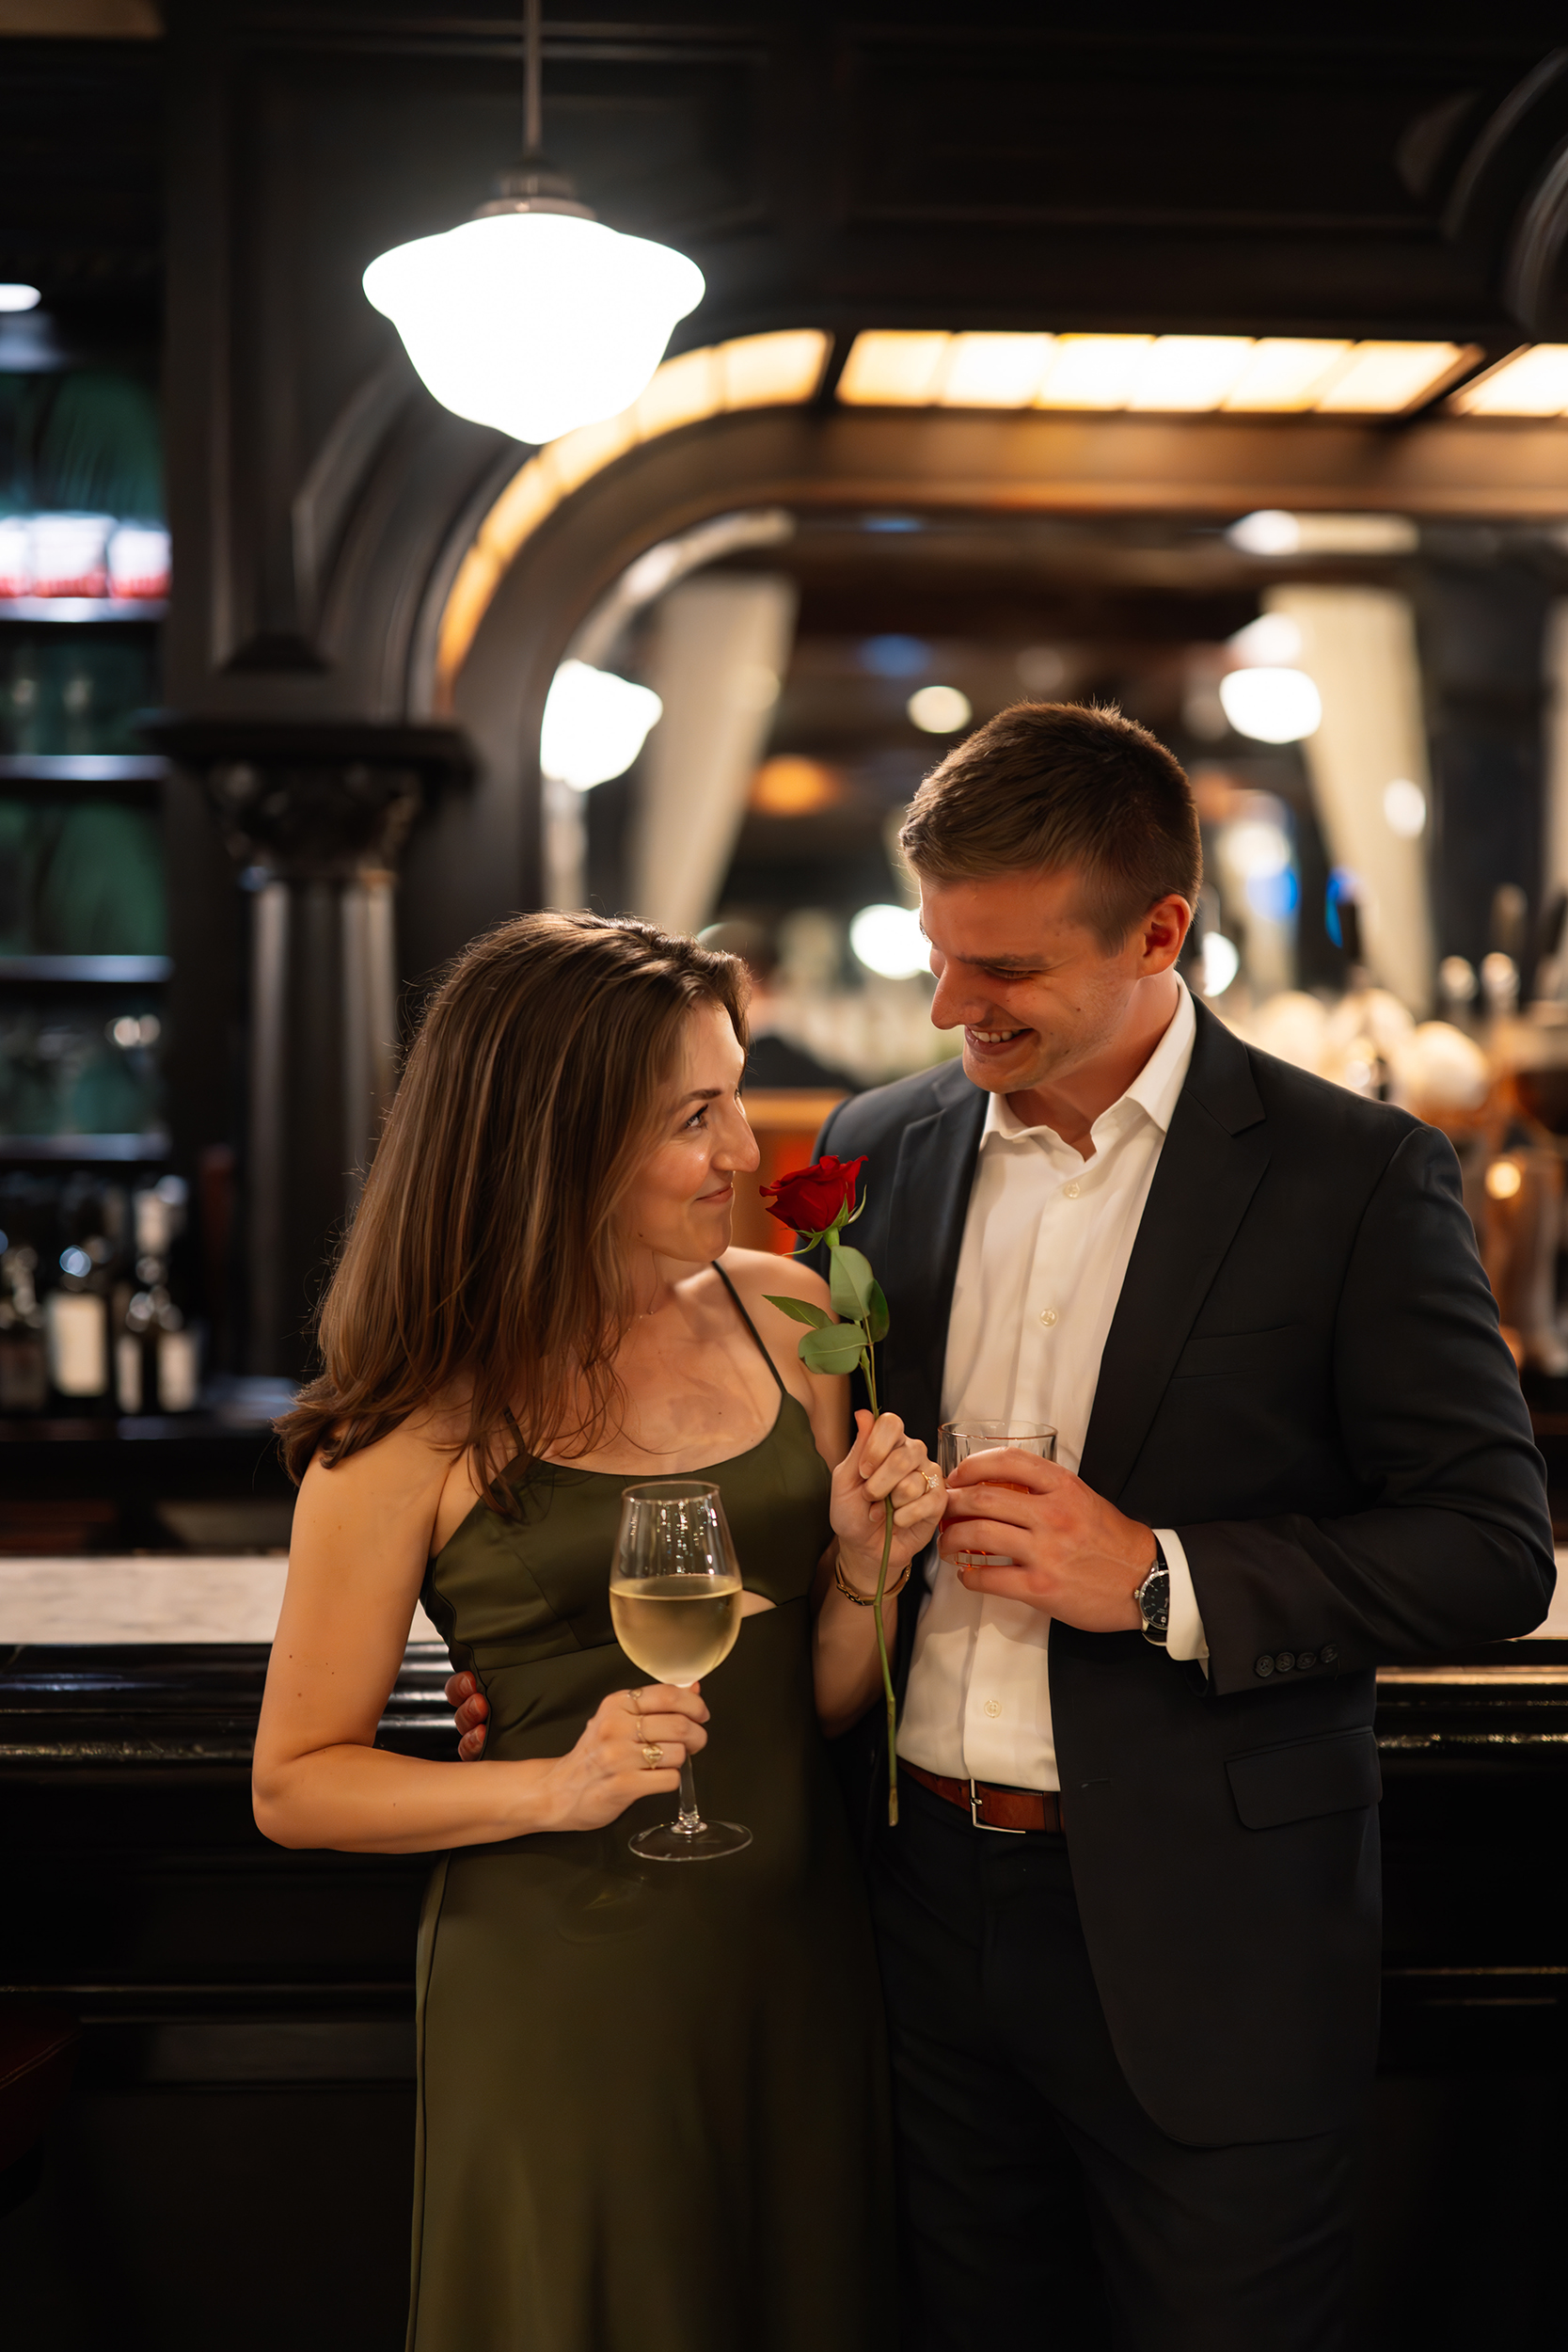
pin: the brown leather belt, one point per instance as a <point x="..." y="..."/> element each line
<point x="1014" y="1810"/>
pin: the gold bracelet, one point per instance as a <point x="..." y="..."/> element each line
<point x="867" y="1600"/>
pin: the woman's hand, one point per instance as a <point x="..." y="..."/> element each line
<point x="634" y="1746"/>
<point x="881" y="1463"/>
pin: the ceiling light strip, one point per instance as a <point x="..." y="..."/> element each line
<point x="1148" y="374"/>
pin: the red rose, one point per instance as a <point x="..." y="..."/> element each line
<point x="811" y="1197"/>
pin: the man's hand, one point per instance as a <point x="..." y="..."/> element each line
<point x="473" y="1713"/>
<point x="1074" y="1555"/>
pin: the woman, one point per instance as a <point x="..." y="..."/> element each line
<point x="651" y="2099"/>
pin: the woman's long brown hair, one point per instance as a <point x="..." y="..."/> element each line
<point x="486" y="1259"/>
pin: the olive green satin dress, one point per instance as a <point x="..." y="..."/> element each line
<point x="652" y="2097"/>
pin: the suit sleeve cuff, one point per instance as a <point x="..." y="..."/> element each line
<point x="1184" y="1637"/>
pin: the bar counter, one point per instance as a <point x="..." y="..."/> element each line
<point x="235" y="2164"/>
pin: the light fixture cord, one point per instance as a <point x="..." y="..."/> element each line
<point x="533" y="76"/>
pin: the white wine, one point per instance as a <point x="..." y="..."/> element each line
<point x="676" y="1627"/>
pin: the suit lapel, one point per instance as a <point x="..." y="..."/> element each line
<point x="929" y="1197"/>
<point x="1208" y="1169"/>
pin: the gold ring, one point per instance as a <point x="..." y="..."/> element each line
<point x="653" y="1755"/>
<point x="930" y="1477"/>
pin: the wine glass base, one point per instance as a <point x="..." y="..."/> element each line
<point x="668" y="1842"/>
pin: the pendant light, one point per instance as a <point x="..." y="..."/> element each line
<point x="533" y="316"/>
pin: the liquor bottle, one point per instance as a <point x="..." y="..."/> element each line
<point x="23" y="1361"/>
<point x="157" y="1355"/>
<point x="77" y="1323"/>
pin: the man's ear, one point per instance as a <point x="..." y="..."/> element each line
<point x="1163" y="928"/>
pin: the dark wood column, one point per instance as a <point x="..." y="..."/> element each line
<point x="314" y="815"/>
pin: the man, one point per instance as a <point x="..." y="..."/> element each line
<point x="1129" y="1918"/>
<point x="1132" y="1994"/>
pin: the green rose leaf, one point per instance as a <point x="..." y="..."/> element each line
<point x="850" y="1282"/>
<point x="877" y="1315"/>
<point x="801" y="1310"/>
<point x="838" y="1348"/>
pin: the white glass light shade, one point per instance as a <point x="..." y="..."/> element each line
<point x="594" y="725"/>
<point x="16" y="296"/>
<point x="534" y="322"/>
<point x="1271" y="705"/>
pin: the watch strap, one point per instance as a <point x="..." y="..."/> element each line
<point x="1153" y="1598"/>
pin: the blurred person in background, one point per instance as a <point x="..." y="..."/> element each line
<point x="772" y="1061"/>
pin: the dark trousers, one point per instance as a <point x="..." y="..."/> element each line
<point x="1040" y="2209"/>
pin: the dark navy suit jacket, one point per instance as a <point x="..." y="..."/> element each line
<point x="1303" y="1377"/>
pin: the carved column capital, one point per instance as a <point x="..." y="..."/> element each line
<point x="312" y="800"/>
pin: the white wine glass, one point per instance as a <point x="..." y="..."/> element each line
<point x="675" y="1601"/>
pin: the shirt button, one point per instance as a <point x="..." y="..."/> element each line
<point x="993" y="1708"/>
<point x="1283" y="1660"/>
<point x="1070" y="1192"/>
<point x="1328" y="1653"/>
<point x="1048" y="1316"/>
<point x="1264" y="1667"/>
<point x="1306" y="1658"/>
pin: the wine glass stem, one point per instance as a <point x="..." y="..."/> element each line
<point x="690" y="1822"/>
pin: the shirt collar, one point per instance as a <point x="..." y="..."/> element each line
<point x="1155" y="1090"/>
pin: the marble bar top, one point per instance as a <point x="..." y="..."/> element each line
<point x="160" y="1598"/>
<point x="151" y="1597"/>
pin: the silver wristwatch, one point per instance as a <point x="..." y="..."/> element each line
<point x="1153" y="1598"/>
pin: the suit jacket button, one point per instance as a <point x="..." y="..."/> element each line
<point x="1305" y="1658"/>
<point x="1284" y="1660"/>
<point x="1328" y="1653"/>
<point x="1264" y="1666"/>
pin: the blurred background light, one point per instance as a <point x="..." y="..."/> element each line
<point x="1271" y="705"/>
<point x="1285" y="373"/>
<point x="18" y="297"/>
<point x="1189" y="371"/>
<point x="1271" y="641"/>
<point x="895" y="657"/>
<point x="1404" y="807"/>
<point x="1529" y="383"/>
<point x="893" y="371"/>
<point x="1221" y="962"/>
<point x="920" y="368"/>
<point x="594" y="725"/>
<point x="789" y="785"/>
<point x="994" y="371"/>
<point x="1274" y="896"/>
<point x="1256" y="850"/>
<point x="889" y="941"/>
<point x="939" y="710"/>
<point x="1092" y="371"/>
<point x="1504" y="1179"/>
<point x="1270" y="532"/>
<point x="1385" y="379"/>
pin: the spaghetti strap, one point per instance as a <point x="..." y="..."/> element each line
<point x="750" y="1326"/>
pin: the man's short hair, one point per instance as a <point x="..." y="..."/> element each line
<point x="1053" y="785"/>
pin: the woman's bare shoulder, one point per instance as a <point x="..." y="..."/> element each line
<point x="755" y="1273"/>
<point x="415" y="1457"/>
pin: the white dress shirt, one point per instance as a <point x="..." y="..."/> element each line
<point x="1046" y="1244"/>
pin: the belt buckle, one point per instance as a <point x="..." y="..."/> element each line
<point x="994" y="1828"/>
